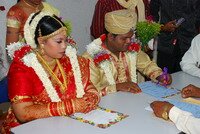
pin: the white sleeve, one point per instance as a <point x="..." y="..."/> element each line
<point x="191" y="60"/>
<point x="184" y="121"/>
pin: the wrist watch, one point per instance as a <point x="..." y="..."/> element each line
<point x="165" y="114"/>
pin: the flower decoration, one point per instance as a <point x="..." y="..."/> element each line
<point x="23" y="52"/>
<point x="97" y="52"/>
<point x="101" y="57"/>
<point x="72" y="54"/>
<point x="71" y="42"/>
<point x="146" y="30"/>
<point x="134" y="47"/>
<point x="103" y="37"/>
<point x="17" y="50"/>
<point x="29" y="28"/>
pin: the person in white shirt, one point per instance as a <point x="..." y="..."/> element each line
<point x="191" y="60"/>
<point x="183" y="120"/>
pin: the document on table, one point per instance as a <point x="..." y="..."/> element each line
<point x="192" y="108"/>
<point x="157" y="90"/>
<point x="192" y="100"/>
<point x="100" y="117"/>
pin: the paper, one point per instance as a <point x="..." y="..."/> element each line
<point x="148" y="108"/>
<point x="157" y="90"/>
<point x="192" y="100"/>
<point x="194" y="109"/>
<point x="100" y="117"/>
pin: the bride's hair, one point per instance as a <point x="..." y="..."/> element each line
<point x="41" y="24"/>
<point x="47" y="25"/>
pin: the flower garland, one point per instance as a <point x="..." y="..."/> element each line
<point x="29" y="28"/>
<point x="72" y="54"/>
<point x="132" y="54"/>
<point x="29" y="58"/>
<point x="15" y="50"/>
<point x="102" y="58"/>
<point x="20" y="51"/>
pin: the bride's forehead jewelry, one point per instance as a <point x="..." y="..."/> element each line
<point x="54" y="33"/>
<point x="63" y="28"/>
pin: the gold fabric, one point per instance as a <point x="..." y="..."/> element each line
<point x="141" y="10"/>
<point x="128" y="4"/>
<point x="192" y="101"/>
<point x="144" y="65"/>
<point x="120" y="21"/>
<point x="131" y="4"/>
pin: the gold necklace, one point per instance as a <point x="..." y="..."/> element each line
<point x="35" y="8"/>
<point x="63" y="85"/>
<point x="51" y="63"/>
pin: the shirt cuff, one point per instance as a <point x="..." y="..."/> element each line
<point x="174" y="113"/>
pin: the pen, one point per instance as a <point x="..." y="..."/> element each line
<point x="164" y="75"/>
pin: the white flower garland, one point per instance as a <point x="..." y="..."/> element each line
<point x="94" y="48"/>
<point x="72" y="54"/>
<point x="14" y="47"/>
<point x="105" y="65"/>
<point x="30" y="60"/>
<point x="29" y="29"/>
<point x="133" y="57"/>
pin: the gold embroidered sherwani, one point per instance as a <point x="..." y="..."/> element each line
<point x="120" y="71"/>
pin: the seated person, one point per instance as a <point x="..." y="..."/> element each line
<point x="47" y="83"/>
<point x="191" y="60"/>
<point x="18" y="14"/>
<point x="114" y="59"/>
<point x="183" y="120"/>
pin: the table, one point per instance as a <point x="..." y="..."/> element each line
<point x="140" y="121"/>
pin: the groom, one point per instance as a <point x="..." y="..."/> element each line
<point x="115" y="58"/>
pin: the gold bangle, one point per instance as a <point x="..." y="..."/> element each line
<point x="165" y="114"/>
<point x="49" y="109"/>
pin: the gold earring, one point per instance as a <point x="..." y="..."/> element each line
<point x="40" y="33"/>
